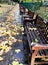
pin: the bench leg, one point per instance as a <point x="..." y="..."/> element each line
<point x="33" y="57"/>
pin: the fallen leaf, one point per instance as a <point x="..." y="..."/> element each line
<point x="17" y="50"/>
<point x="1" y="58"/>
<point x="15" y="63"/>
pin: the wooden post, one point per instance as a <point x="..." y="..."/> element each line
<point x="33" y="57"/>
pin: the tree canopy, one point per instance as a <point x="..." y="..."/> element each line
<point x="16" y="0"/>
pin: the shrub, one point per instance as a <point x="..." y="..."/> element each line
<point x="0" y="5"/>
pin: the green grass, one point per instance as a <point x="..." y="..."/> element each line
<point x="42" y="13"/>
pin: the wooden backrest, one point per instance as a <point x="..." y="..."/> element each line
<point x="39" y="20"/>
<point x="35" y="16"/>
<point x="31" y="13"/>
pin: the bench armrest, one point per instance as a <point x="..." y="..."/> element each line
<point x="40" y="47"/>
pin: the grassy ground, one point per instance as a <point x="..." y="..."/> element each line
<point x="3" y="4"/>
<point x="43" y="13"/>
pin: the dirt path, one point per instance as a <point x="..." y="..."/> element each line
<point x="16" y="54"/>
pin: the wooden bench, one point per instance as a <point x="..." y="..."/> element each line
<point x="36" y="39"/>
<point x="32" y="34"/>
<point x="29" y="18"/>
<point x="42" y="26"/>
<point x="36" y="47"/>
<point x="31" y="13"/>
<point x="23" y="10"/>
